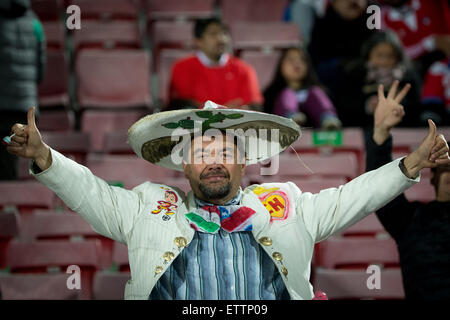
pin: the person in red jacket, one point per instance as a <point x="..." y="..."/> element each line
<point x="423" y="27"/>
<point x="212" y="73"/>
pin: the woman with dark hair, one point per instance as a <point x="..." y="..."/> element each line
<point x="382" y="61"/>
<point x="295" y="92"/>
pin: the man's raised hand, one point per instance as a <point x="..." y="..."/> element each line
<point x="433" y="151"/>
<point x="389" y="112"/>
<point x="27" y="142"/>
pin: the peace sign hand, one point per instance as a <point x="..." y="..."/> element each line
<point x="388" y="112"/>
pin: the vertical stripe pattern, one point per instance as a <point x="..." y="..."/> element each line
<point x="225" y="266"/>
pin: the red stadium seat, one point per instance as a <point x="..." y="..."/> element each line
<point x="253" y="10"/>
<point x="264" y="35"/>
<point x="56" y="120"/>
<point x="370" y="225"/>
<point x="9" y="229"/>
<point x="332" y="166"/>
<point x="171" y="35"/>
<point x="116" y="142"/>
<point x="120" y="256"/>
<point x="97" y="123"/>
<point x="110" y="285"/>
<point x="352" y="284"/>
<point x="178" y="9"/>
<point x="356" y="251"/>
<point x="113" y="78"/>
<point x="71" y="143"/>
<point x="54" y="34"/>
<point x="108" y="9"/>
<point x="25" y="195"/>
<point x="167" y="58"/>
<point x="53" y="90"/>
<point x="108" y="35"/>
<point x="316" y="185"/>
<point x="37" y="287"/>
<point x="47" y="9"/>
<point x="53" y="256"/>
<point x="123" y="167"/>
<point x="407" y="139"/>
<point x="46" y="225"/>
<point x="264" y="64"/>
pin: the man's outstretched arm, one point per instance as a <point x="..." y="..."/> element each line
<point x="109" y="210"/>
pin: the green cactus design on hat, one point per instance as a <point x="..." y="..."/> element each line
<point x="210" y="117"/>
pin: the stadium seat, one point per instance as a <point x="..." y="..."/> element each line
<point x="108" y="9"/>
<point x="120" y="257"/>
<point x="97" y="123"/>
<point x="53" y="90"/>
<point x="113" y="78"/>
<point x="25" y="195"/>
<point x="120" y="168"/>
<point x="264" y="35"/>
<point x="110" y="285"/>
<point x="407" y="139"/>
<point x="369" y="226"/>
<point x="350" y="252"/>
<point x="56" y="120"/>
<point x="116" y="142"/>
<point x="54" y="34"/>
<point x="178" y="9"/>
<point x="53" y="225"/>
<point x="331" y="166"/>
<point x="167" y="58"/>
<point x="37" y="287"/>
<point x="47" y="9"/>
<point x="48" y="256"/>
<point x="352" y="284"/>
<point x="108" y="35"/>
<point x="422" y="191"/>
<point x="316" y="185"/>
<point x="170" y="35"/>
<point x="264" y="64"/>
<point x="252" y="10"/>
<point x="9" y="229"/>
<point x="70" y="143"/>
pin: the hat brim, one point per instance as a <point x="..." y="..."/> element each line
<point x="155" y="136"/>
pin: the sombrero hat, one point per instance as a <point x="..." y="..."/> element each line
<point x="155" y="136"/>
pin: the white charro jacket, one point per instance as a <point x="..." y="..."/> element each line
<point x="288" y="222"/>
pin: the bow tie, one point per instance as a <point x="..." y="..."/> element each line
<point x="232" y="217"/>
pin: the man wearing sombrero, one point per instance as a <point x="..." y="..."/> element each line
<point x="219" y="241"/>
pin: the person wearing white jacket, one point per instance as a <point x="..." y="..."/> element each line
<point x="219" y="241"/>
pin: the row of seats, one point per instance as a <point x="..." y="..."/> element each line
<point x="232" y="10"/>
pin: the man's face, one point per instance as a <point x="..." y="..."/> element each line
<point x="211" y="177"/>
<point x="214" y="41"/>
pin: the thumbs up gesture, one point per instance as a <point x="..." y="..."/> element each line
<point x="432" y="152"/>
<point x="27" y="142"/>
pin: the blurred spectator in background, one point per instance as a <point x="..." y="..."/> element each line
<point x="382" y="61"/>
<point x="423" y="26"/>
<point x="436" y="92"/>
<point x="212" y="73"/>
<point x="304" y="13"/>
<point x="295" y="92"/>
<point x="337" y="39"/>
<point x="22" y="61"/>
<point x="421" y="231"/>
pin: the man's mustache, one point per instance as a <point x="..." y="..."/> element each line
<point x="215" y="173"/>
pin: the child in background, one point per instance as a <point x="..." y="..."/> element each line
<point x="382" y="62"/>
<point x="436" y="93"/>
<point x="295" y="92"/>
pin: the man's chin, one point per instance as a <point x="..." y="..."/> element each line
<point x="215" y="190"/>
